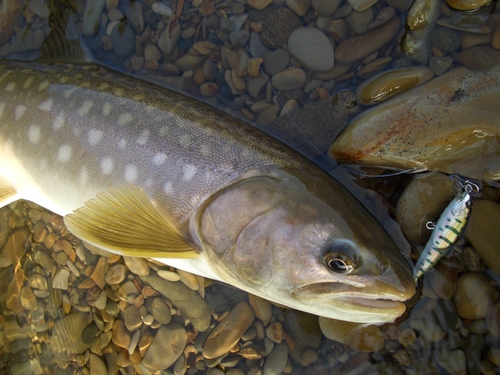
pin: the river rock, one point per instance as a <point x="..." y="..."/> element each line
<point x="445" y="39"/>
<point x="452" y="123"/>
<point x="311" y="48"/>
<point x="361" y="337"/>
<point x="170" y="36"/>
<point x="299" y="6"/>
<point x="92" y="17"/>
<point x="479" y="57"/>
<point x="423" y="200"/>
<point x="276" y="61"/>
<point x="188" y="301"/>
<point x="466" y="4"/>
<point x="289" y="79"/>
<point x="9" y="13"/>
<point x="433" y="318"/>
<point x="358" y="46"/>
<point x="484" y="232"/>
<point x="259" y="4"/>
<point x="473" y="297"/>
<point x="385" y="85"/>
<point x="278" y="26"/>
<point x="325" y="7"/>
<point x="65" y="339"/>
<point x="359" y="21"/>
<point x="229" y="331"/>
<point x="122" y="39"/>
<point x="139" y="266"/>
<point x="276" y="360"/>
<point x="167" y="346"/>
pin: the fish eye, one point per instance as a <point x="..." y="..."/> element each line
<point x="341" y="257"/>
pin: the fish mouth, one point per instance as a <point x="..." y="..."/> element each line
<point x="351" y="297"/>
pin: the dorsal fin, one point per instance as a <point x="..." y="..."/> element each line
<point x="123" y="220"/>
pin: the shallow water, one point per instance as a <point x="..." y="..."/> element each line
<point x="67" y="310"/>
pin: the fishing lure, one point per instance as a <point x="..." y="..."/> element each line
<point x="448" y="229"/>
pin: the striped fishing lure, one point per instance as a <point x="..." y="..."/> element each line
<point x="448" y="229"/>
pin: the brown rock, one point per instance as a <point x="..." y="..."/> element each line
<point x="473" y="298"/>
<point x="166" y="347"/>
<point x="480" y="57"/>
<point x="278" y="26"/>
<point x="359" y="46"/>
<point x="484" y="232"/>
<point x="228" y="331"/>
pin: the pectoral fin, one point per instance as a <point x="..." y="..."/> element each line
<point x="7" y="193"/>
<point x="124" y="221"/>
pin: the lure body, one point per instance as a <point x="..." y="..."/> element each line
<point x="445" y="235"/>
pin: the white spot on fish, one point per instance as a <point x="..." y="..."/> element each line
<point x="106" y="109"/>
<point x="168" y="188"/>
<point x="42" y="86"/>
<point x="19" y="111"/>
<point x="84" y="176"/>
<point x="85" y="108"/>
<point x="194" y="200"/>
<point x="122" y="143"/>
<point x="95" y="136"/>
<point x="130" y="173"/>
<point x="34" y="134"/>
<point x="163" y="131"/>
<point x="2" y="108"/>
<point x="188" y="172"/>
<point x="67" y="93"/>
<point x="205" y="150"/>
<point x="10" y="87"/>
<point x="124" y="119"/>
<point x="159" y="158"/>
<point x="185" y="140"/>
<point x="107" y="165"/>
<point x="58" y="122"/>
<point x="143" y="137"/>
<point x="43" y="163"/>
<point x="64" y="153"/>
<point x="46" y="105"/>
<point x="27" y="83"/>
<point x="149" y="182"/>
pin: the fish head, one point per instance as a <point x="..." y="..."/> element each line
<point x="307" y="246"/>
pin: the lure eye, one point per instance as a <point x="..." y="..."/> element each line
<point x="340" y="257"/>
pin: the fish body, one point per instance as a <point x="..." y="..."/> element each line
<point x="143" y="171"/>
<point x="445" y="235"/>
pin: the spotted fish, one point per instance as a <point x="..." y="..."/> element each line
<point x="138" y="170"/>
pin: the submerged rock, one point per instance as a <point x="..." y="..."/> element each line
<point x="450" y="124"/>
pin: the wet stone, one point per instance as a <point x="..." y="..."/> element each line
<point x="161" y="311"/>
<point x="484" y="232"/>
<point x="168" y="345"/>
<point x="276" y="360"/>
<point x="61" y="279"/>
<point x="278" y="26"/>
<point x="132" y="318"/>
<point x="227" y="333"/>
<point x="65" y="341"/>
<point x="433" y="318"/>
<point x="139" y="266"/>
<point x="121" y="337"/>
<point x="473" y="297"/>
<point x="312" y="48"/>
<point x="116" y="274"/>
<point x="188" y="301"/>
<point x="445" y="39"/>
